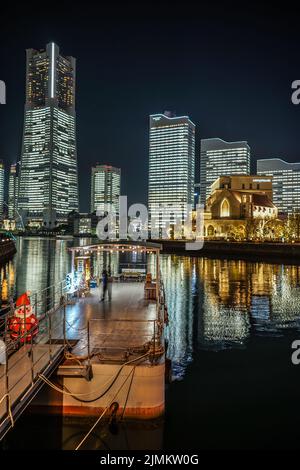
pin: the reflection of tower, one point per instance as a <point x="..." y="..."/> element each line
<point x="225" y="302"/>
<point x="260" y="310"/>
<point x="40" y="264"/>
<point x="105" y="260"/>
<point x="2" y="180"/>
<point x="48" y="187"/>
<point x="32" y="265"/>
<point x="177" y="275"/>
<point x="4" y="280"/>
<point x="285" y="299"/>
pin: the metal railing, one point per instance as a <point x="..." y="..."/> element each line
<point x="114" y="339"/>
<point x="27" y="354"/>
<point x="118" y="339"/>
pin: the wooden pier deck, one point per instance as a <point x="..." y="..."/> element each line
<point x="125" y="339"/>
<point x="110" y="330"/>
<point x="125" y="322"/>
<point x="121" y="335"/>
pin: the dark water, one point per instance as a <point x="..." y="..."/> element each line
<point x="231" y="326"/>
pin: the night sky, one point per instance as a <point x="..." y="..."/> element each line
<point x="229" y="68"/>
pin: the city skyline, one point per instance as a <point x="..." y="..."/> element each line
<point x="50" y="82"/>
<point x="217" y="107"/>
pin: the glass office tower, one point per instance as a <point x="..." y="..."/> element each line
<point x="220" y="158"/>
<point x="105" y="188"/>
<point x="286" y="183"/>
<point x="48" y="185"/>
<point x="171" y="169"/>
<point x="13" y="190"/>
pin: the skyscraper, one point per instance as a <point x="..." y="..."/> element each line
<point x="286" y="182"/>
<point x="220" y="158"/>
<point x="2" y="181"/>
<point x="13" y="190"/>
<point x="48" y="186"/>
<point x="171" y="167"/>
<point x="105" y="187"/>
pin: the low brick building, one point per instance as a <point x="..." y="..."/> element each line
<point x="236" y="200"/>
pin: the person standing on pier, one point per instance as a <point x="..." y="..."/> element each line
<point x="104" y="284"/>
<point x="109" y="284"/>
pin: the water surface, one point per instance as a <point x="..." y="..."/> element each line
<point x="231" y="324"/>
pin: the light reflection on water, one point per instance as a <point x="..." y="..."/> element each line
<point x="218" y="304"/>
<point x="213" y="304"/>
<point x="39" y="263"/>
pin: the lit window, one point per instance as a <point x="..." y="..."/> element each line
<point x="225" y="208"/>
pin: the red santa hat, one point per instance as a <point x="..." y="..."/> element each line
<point x="23" y="300"/>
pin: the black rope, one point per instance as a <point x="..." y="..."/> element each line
<point x="103" y="393"/>
<point x="129" y="388"/>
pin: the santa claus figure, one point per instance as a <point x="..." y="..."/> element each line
<point x="23" y="321"/>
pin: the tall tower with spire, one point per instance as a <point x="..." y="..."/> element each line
<point x="48" y="181"/>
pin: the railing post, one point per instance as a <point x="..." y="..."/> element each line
<point x="6" y="370"/>
<point x="52" y="296"/>
<point x="46" y="301"/>
<point x="157" y="276"/>
<point x="24" y="326"/>
<point x="31" y="357"/>
<point x="35" y="304"/>
<point x="50" y="336"/>
<point x="88" y="343"/>
<point x="154" y="340"/>
<point x="64" y="325"/>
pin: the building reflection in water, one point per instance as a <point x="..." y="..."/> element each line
<point x="213" y="304"/>
<point x="179" y="278"/>
<point x="218" y="304"/>
<point x="39" y="263"/>
<point x="42" y="262"/>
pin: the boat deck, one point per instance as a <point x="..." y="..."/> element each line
<point x="112" y="331"/>
<point x="123" y="323"/>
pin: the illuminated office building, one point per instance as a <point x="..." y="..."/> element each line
<point x="105" y="188"/>
<point x="13" y="190"/>
<point x="286" y="183"/>
<point x="171" y="168"/>
<point x="2" y="179"/>
<point x="48" y="186"/>
<point x="220" y="158"/>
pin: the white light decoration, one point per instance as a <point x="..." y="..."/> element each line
<point x="52" y="68"/>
